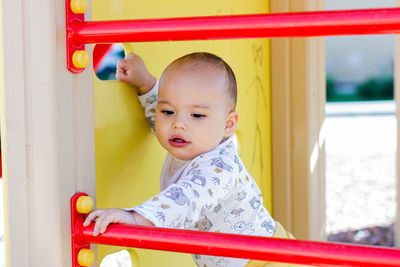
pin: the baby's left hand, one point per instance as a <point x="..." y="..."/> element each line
<point x="108" y="216"/>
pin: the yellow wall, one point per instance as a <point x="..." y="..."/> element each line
<point x="128" y="157"/>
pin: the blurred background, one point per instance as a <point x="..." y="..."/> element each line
<point x="360" y="134"/>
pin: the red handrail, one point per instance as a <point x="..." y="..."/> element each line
<point x="238" y="246"/>
<point x="304" y="24"/>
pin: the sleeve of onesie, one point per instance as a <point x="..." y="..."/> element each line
<point x="149" y="102"/>
<point x="203" y="185"/>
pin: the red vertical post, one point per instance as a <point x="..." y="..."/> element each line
<point x="72" y="46"/>
<point x="77" y="220"/>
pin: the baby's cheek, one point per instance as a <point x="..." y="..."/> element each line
<point x="159" y="128"/>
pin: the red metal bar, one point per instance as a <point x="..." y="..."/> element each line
<point x="229" y="245"/>
<point x="77" y="220"/>
<point x="240" y="246"/>
<point x="71" y="46"/>
<point x="305" y="24"/>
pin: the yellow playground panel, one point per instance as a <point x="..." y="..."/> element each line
<point x="128" y="157"/>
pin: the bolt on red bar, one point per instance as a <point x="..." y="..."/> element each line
<point x="305" y="24"/>
<point x="229" y="245"/>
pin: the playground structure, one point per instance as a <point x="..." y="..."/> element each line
<point x="75" y="137"/>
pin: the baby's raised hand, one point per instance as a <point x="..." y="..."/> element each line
<point x="108" y="216"/>
<point x="132" y="70"/>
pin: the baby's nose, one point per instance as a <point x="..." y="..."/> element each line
<point x="179" y="124"/>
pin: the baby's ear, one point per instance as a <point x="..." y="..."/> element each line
<point x="231" y="123"/>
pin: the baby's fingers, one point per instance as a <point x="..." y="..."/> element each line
<point x="103" y="221"/>
<point x="121" y="65"/>
<point x="120" y="75"/>
<point x="92" y="216"/>
<point x="122" y="71"/>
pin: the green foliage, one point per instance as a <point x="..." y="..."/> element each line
<point x="374" y="88"/>
<point x="377" y="89"/>
<point x="330" y="88"/>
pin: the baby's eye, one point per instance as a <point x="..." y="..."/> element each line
<point x="167" y="112"/>
<point x="198" y="115"/>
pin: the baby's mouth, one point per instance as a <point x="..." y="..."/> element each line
<point x="178" y="141"/>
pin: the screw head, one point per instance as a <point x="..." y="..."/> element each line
<point x="79" y="6"/>
<point x="84" y="204"/>
<point x="80" y="59"/>
<point x="86" y="257"/>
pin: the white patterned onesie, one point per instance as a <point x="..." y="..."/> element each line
<point x="212" y="192"/>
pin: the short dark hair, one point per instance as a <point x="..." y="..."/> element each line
<point x="205" y="60"/>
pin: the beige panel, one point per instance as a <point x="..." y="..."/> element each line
<point x="13" y="136"/>
<point x="48" y="130"/>
<point x="298" y="101"/>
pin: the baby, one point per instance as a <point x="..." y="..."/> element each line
<point x="204" y="183"/>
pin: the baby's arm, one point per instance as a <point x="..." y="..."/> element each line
<point x="108" y="216"/>
<point x="133" y="71"/>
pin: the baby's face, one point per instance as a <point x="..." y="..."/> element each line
<point x="192" y="112"/>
